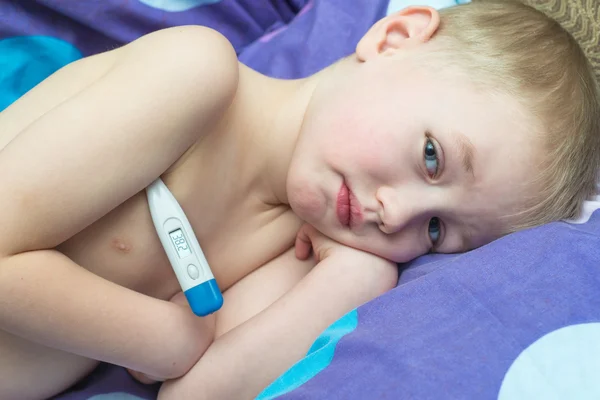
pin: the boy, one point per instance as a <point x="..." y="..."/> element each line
<point x="438" y="134"/>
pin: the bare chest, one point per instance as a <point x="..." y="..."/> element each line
<point x="237" y="232"/>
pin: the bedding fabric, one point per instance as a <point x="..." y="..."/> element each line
<point x="512" y="320"/>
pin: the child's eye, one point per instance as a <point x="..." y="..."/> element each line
<point x="434" y="230"/>
<point x="431" y="158"/>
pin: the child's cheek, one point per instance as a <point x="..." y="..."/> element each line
<point x="372" y="150"/>
<point x="356" y="138"/>
<point x="304" y="196"/>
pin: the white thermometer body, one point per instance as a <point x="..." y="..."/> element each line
<point x="183" y="250"/>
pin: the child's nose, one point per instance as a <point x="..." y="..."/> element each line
<point x="396" y="208"/>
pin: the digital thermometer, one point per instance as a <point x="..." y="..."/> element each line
<point x="183" y="250"/>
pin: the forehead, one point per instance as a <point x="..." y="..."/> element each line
<point x="493" y="122"/>
<point x="505" y="137"/>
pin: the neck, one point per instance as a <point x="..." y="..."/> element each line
<point x="276" y="133"/>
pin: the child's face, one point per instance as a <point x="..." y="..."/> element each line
<point x="398" y="162"/>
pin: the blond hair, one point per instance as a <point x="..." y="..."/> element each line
<point x="520" y="51"/>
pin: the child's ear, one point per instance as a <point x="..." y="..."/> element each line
<point x="410" y="26"/>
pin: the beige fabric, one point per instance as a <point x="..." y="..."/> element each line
<point x="581" y="18"/>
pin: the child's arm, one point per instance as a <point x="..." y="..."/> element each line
<point x="81" y="158"/>
<point x="242" y="362"/>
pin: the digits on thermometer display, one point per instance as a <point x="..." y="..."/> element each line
<point x="181" y="245"/>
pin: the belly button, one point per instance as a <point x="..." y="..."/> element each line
<point x="121" y="246"/>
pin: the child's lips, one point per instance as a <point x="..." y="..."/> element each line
<point x="348" y="208"/>
<point x="343" y="205"/>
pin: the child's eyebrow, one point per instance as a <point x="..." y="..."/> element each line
<point x="466" y="152"/>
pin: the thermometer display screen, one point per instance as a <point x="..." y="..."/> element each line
<point x="181" y="245"/>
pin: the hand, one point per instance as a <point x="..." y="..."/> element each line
<point x="368" y="274"/>
<point x="310" y="241"/>
<point x="143" y="378"/>
<point x="308" y="238"/>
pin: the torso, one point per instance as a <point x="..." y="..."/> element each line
<point x="237" y="230"/>
<point x="246" y="236"/>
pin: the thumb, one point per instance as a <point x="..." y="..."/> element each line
<point x="143" y="378"/>
<point x="303" y="244"/>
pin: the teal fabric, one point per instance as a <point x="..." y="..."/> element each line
<point x="319" y="356"/>
<point x="28" y="60"/>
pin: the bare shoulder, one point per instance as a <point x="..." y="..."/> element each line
<point x="138" y="109"/>
<point x="196" y="65"/>
<point x="186" y="46"/>
<point x="197" y="60"/>
<point x="182" y="37"/>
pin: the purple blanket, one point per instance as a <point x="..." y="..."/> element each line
<point x="516" y="319"/>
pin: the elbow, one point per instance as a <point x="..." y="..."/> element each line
<point x="185" y="359"/>
<point x="174" y="367"/>
<point x="198" y="335"/>
<point x="390" y="278"/>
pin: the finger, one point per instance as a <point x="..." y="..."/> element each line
<point x="142" y="378"/>
<point x="303" y="244"/>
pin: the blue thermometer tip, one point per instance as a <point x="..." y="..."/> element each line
<point x="205" y="299"/>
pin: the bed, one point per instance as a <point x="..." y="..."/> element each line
<point x="516" y="319"/>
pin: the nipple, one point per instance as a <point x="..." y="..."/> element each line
<point x="121" y="246"/>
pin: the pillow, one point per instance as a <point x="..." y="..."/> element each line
<point x="581" y="18"/>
